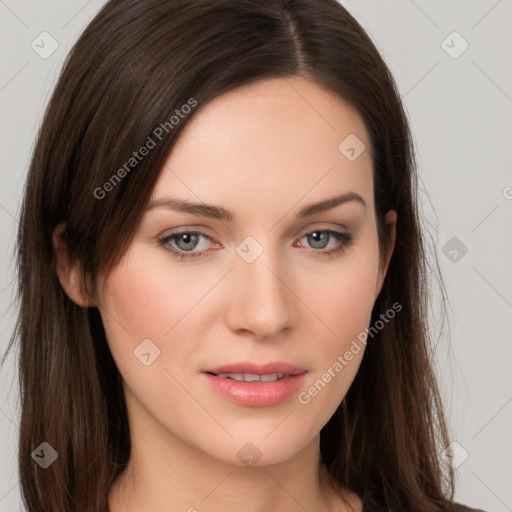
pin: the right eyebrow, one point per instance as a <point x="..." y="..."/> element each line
<point x="198" y="209"/>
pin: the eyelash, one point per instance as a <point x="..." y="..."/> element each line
<point x="345" y="240"/>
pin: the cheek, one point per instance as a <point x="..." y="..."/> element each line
<point x="146" y="297"/>
<point x="139" y="301"/>
<point x="347" y="295"/>
<point x="137" y="304"/>
<point x="344" y="305"/>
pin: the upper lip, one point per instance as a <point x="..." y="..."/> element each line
<point x="257" y="369"/>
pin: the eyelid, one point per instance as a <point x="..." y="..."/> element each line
<point x="344" y="239"/>
<point x="321" y="226"/>
<point x="204" y="231"/>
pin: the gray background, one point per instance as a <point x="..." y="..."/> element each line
<point x="460" y="112"/>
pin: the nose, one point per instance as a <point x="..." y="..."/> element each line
<point x="262" y="301"/>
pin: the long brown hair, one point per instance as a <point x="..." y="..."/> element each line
<point x="136" y="63"/>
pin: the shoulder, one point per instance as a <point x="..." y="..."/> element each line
<point x="458" y="507"/>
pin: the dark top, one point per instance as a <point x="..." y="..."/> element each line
<point x="464" y="508"/>
<point x="457" y="507"/>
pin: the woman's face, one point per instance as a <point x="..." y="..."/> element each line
<point x="279" y="283"/>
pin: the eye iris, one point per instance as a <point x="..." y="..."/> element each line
<point x="321" y="237"/>
<point x="190" y="240"/>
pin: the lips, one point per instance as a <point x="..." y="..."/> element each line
<point x="252" y="377"/>
<point x="256" y="385"/>
<point x="257" y="369"/>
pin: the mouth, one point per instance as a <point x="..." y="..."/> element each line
<point x="252" y="377"/>
<point x="256" y="385"/>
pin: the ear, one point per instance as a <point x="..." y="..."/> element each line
<point x="390" y="220"/>
<point x="68" y="269"/>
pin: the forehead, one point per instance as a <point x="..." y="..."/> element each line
<point x="275" y="140"/>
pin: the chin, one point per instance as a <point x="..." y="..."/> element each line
<point x="261" y="449"/>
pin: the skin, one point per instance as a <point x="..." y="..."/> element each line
<point x="263" y="151"/>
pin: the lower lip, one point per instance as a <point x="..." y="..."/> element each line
<point x="256" y="394"/>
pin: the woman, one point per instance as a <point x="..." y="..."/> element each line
<point x="221" y="272"/>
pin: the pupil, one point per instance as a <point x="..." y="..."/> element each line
<point x="318" y="236"/>
<point x="189" y="239"/>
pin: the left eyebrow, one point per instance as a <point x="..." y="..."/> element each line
<point x="328" y="204"/>
<point x="217" y="212"/>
